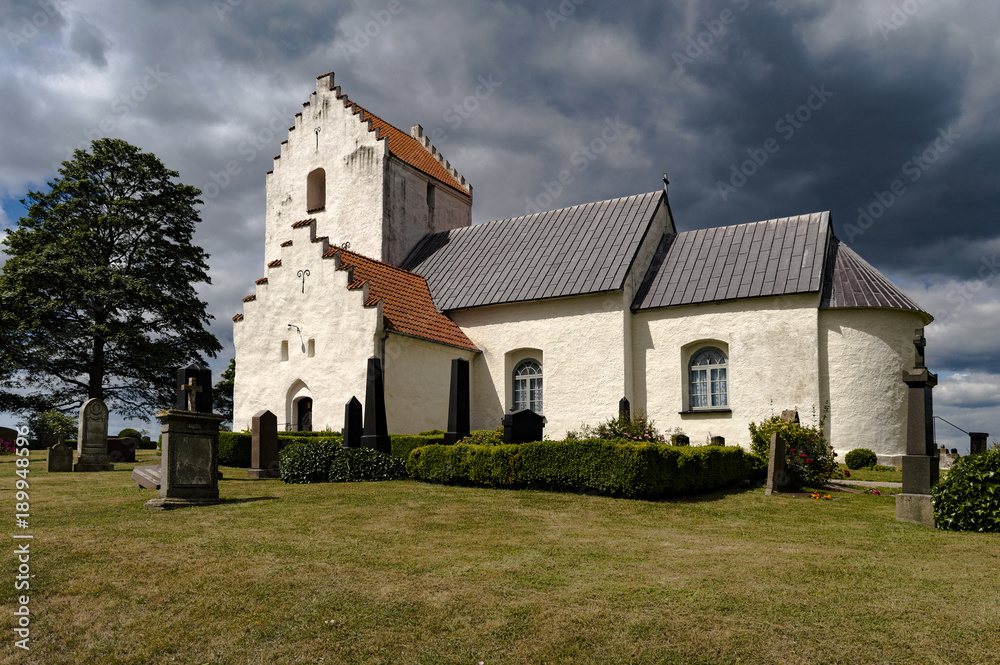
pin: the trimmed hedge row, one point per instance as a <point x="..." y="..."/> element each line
<point x="234" y="447"/>
<point x="616" y="468"/>
<point x="322" y="460"/>
<point x="402" y="444"/>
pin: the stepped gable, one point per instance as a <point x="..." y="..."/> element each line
<point x="415" y="150"/>
<point x="850" y="281"/>
<point x="572" y="251"/>
<point x="769" y="258"/>
<point x="407" y="307"/>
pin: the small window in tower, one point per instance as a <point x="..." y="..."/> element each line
<point x="430" y="204"/>
<point x="312" y="348"/>
<point x="316" y="191"/>
<point x="284" y="350"/>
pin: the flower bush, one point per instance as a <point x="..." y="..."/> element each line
<point x="636" y="428"/>
<point x="485" y="437"/>
<point x="810" y="460"/>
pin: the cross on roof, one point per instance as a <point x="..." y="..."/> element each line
<point x="192" y="389"/>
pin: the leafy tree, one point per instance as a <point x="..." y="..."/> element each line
<point x="222" y="394"/>
<point x="97" y="296"/>
<point x="52" y="422"/>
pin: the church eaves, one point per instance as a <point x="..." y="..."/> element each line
<point x="567" y="252"/>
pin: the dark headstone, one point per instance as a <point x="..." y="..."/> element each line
<point x="458" y="402"/>
<point x="977" y="442"/>
<point x="376" y="431"/>
<point x="790" y="415"/>
<point x="147" y="477"/>
<point x="354" y="423"/>
<point x="680" y="439"/>
<point x="777" y="471"/>
<point x="121" y="449"/>
<point x="624" y="409"/>
<point x="59" y="458"/>
<point x="920" y="464"/>
<point x="263" y="446"/>
<point x="718" y="440"/>
<point x="189" y="472"/>
<point x="522" y="426"/>
<point x="194" y="389"/>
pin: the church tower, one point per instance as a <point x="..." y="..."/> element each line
<point x="364" y="181"/>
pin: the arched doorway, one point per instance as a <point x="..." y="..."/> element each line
<point x="304" y="413"/>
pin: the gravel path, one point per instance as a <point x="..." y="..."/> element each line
<point x="865" y="483"/>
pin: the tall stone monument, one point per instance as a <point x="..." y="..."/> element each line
<point x="458" y="402"/>
<point x="189" y="464"/>
<point x="354" y="423"/>
<point x="777" y="464"/>
<point x="263" y="446"/>
<point x="376" y="431"/>
<point x="920" y="463"/>
<point x="92" y="437"/>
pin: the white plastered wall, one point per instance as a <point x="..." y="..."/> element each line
<point x="345" y="334"/>
<point x="773" y="361"/>
<point x="418" y="383"/>
<point x="864" y="352"/>
<point x="581" y="341"/>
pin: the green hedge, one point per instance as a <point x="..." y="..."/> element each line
<point x="615" y="468"/>
<point x="969" y="498"/>
<point x="364" y="464"/>
<point x="402" y="444"/>
<point x="307" y="461"/>
<point x="234" y="447"/>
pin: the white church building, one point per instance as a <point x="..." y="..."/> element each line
<point x="370" y="251"/>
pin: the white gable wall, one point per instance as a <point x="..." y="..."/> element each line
<point x="344" y="333"/>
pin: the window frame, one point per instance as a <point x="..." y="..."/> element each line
<point x="528" y="379"/>
<point x="708" y="381"/>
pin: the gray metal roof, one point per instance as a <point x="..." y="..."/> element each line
<point x="851" y="281"/>
<point x="572" y="251"/>
<point x="769" y="258"/>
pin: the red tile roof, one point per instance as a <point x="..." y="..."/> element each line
<point x="303" y="222"/>
<point x="287" y="243"/>
<point x="409" y="150"/>
<point x="238" y="317"/>
<point x="275" y="263"/>
<point x="252" y="296"/>
<point x="406" y="301"/>
<point x="262" y="280"/>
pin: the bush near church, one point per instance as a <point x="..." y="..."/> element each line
<point x="808" y="457"/>
<point x="316" y="460"/>
<point x="235" y="447"/>
<point x="969" y="498"/>
<point x="612" y="467"/>
<point x="860" y="458"/>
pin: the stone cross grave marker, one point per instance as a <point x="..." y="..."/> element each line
<point x="192" y="389"/>
<point x="92" y="438"/>
<point x="920" y="463"/>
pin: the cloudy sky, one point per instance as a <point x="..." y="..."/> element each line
<point x="885" y="113"/>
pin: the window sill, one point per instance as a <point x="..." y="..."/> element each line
<point x="694" y="411"/>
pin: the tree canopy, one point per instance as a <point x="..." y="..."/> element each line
<point x="97" y="297"/>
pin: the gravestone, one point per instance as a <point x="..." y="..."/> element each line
<point x="718" y="440"/>
<point x="59" y="458"/>
<point x="354" y="424"/>
<point x="680" y="439"/>
<point x="522" y="426"/>
<point x="977" y="442"/>
<point x="376" y="431"/>
<point x="194" y="389"/>
<point x="189" y="470"/>
<point x="92" y="438"/>
<point x="458" y="402"/>
<point x="264" y="446"/>
<point x="777" y="464"/>
<point x="921" y="467"/>
<point x="147" y="477"/>
<point x="624" y="409"/>
<point x="121" y="449"/>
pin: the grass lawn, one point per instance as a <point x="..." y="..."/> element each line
<point x="877" y="476"/>
<point x="406" y="572"/>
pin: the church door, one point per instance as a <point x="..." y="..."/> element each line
<point x="305" y="414"/>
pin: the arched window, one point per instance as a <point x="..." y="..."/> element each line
<point x="709" y="386"/>
<point x="316" y="190"/>
<point x="528" y="386"/>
